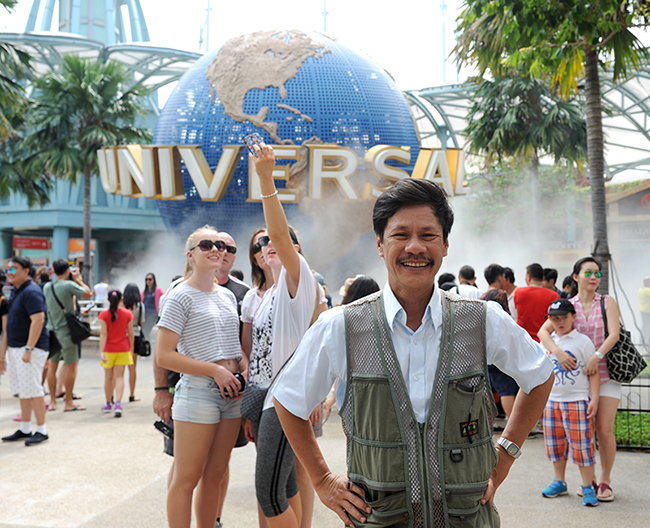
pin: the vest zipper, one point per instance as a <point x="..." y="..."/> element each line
<point x="469" y="416"/>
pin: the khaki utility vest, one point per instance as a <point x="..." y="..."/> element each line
<point x="429" y="475"/>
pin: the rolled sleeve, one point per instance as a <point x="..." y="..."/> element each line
<point x="511" y="349"/>
<point x="318" y="361"/>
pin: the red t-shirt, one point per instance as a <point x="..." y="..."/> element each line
<point x="117" y="339"/>
<point x="532" y="305"/>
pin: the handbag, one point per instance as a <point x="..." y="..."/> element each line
<point x="55" y="345"/>
<point x="254" y="396"/>
<point x="141" y="346"/>
<point x="79" y="329"/>
<point x="624" y="362"/>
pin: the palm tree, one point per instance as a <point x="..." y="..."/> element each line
<point x="563" y="41"/>
<point x="76" y="112"/>
<point x="14" y="68"/>
<point x="521" y="117"/>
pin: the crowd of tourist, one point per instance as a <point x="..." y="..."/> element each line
<point x="222" y="348"/>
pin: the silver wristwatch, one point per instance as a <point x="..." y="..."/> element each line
<point x="28" y="349"/>
<point x="599" y="355"/>
<point x="511" y="448"/>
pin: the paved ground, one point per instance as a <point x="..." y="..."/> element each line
<point x="97" y="471"/>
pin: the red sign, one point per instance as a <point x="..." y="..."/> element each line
<point x="31" y="243"/>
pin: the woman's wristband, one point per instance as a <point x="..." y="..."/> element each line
<point x="161" y="388"/>
<point x="599" y="355"/>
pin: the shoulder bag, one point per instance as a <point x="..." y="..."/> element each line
<point x="79" y="329"/>
<point x="624" y="362"/>
<point x="141" y="346"/>
<point x="254" y="396"/>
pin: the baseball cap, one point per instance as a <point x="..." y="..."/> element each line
<point x="561" y="307"/>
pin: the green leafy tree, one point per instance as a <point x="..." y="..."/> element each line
<point x="82" y="108"/>
<point x="564" y="42"/>
<point x="520" y="117"/>
<point x="15" y="69"/>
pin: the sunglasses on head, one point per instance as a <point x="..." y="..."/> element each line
<point x="589" y="273"/>
<point x="207" y="245"/>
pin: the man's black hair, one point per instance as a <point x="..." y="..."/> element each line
<point x="444" y="278"/>
<point x="568" y="281"/>
<point x="492" y="273"/>
<point x="60" y="266"/>
<point x="412" y="191"/>
<point x="22" y="261"/>
<point x="467" y="273"/>
<point x="535" y="271"/>
<point x="509" y="274"/>
<point x="550" y="274"/>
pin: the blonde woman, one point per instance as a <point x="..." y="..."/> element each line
<point x="199" y="337"/>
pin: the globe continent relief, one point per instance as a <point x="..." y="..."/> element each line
<point x="292" y="87"/>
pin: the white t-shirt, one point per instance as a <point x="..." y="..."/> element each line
<point x="289" y="318"/>
<point x="249" y="305"/>
<point x="207" y="322"/>
<point x="573" y="385"/>
<point x="511" y="304"/>
<point x="101" y="292"/>
<point x="467" y="290"/>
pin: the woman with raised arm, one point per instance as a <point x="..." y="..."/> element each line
<point x="199" y="337"/>
<point x="590" y="321"/>
<point x="287" y="310"/>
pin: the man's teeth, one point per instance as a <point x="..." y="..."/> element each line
<point x="416" y="264"/>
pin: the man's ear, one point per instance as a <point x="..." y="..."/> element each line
<point x="380" y="246"/>
<point x="446" y="248"/>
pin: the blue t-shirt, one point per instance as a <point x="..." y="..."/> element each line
<point x="25" y="302"/>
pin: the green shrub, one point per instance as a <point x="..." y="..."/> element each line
<point x="632" y="429"/>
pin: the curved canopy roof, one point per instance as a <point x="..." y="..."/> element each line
<point x="440" y="114"/>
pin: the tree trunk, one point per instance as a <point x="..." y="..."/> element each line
<point x="596" y="165"/>
<point x="87" y="225"/>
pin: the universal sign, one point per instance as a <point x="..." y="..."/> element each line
<point x="155" y="171"/>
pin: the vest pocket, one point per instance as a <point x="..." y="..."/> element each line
<point x="374" y="411"/>
<point x="381" y="466"/>
<point x="465" y="417"/>
<point x="481" y="516"/>
<point x="388" y="508"/>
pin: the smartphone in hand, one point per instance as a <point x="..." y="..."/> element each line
<point x="251" y="140"/>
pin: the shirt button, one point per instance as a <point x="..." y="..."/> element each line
<point x="417" y="414"/>
<point x="415" y="341"/>
<point x="416" y="378"/>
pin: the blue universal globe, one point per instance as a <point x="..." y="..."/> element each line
<point x="291" y="87"/>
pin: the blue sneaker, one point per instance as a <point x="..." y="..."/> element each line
<point x="589" y="496"/>
<point x="557" y="488"/>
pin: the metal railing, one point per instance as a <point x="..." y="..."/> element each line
<point x="632" y="427"/>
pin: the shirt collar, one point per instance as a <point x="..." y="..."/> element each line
<point x="394" y="309"/>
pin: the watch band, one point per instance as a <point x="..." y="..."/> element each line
<point x="599" y="355"/>
<point x="510" y="447"/>
<point x="28" y="349"/>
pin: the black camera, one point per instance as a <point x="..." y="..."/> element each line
<point x="165" y="428"/>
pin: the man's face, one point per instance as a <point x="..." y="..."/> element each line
<point x="549" y="284"/>
<point x="413" y="249"/>
<point x="228" y="258"/>
<point x="16" y="274"/>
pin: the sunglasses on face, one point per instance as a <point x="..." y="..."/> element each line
<point x="207" y="245"/>
<point x="589" y="273"/>
<point x="231" y="249"/>
<point x="148" y="279"/>
<point x="263" y="241"/>
<point x="11" y="270"/>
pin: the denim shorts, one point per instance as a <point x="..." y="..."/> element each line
<point x="197" y="400"/>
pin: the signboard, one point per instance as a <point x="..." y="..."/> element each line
<point x="31" y="243"/>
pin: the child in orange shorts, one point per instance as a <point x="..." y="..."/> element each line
<point x="568" y="413"/>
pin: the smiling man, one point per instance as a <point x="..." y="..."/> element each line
<point x="414" y="390"/>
